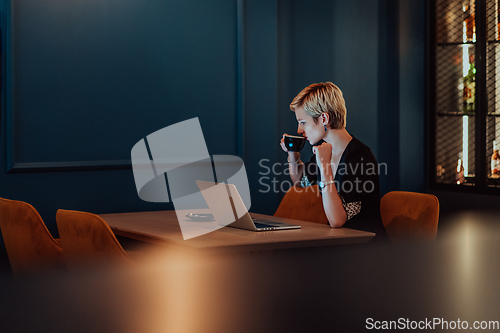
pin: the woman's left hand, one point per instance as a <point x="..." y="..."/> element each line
<point x="323" y="154"/>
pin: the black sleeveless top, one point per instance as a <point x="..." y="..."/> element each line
<point x="357" y="183"/>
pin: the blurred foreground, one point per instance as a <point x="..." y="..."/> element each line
<point x="302" y="290"/>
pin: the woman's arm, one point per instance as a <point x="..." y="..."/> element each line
<point x="296" y="167"/>
<point x="332" y="204"/>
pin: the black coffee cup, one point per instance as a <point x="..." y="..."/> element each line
<point x="294" y="143"/>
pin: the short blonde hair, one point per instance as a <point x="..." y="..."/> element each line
<point x="323" y="97"/>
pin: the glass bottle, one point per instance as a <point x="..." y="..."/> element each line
<point x="459" y="175"/>
<point x="498" y="19"/>
<point x="440" y="172"/>
<point x="469" y="17"/>
<point x="469" y="88"/>
<point x="495" y="161"/>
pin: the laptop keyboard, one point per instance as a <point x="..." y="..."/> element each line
<point x="261" y="225"/>
<point x="271" y="225"/>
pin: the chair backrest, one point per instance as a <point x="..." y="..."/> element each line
<point x="410" y="215"/>
<point x="303" y="203"/>
<point x="29" y="244"/>
<point x="87" y="239"/>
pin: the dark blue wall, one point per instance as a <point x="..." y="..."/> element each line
<point x="86" y="81"/>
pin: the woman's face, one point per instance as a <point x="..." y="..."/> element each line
<point x="312" y="131"/>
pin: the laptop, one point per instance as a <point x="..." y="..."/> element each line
<point x="225" y="211"/>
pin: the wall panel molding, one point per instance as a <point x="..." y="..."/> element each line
<point x="240" y="74"/>
<point x="14" y="165"/>
<point x="70" y="166"/>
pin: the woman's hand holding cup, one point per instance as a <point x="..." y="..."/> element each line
<point x="292" y="156"/>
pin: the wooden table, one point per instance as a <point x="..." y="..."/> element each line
<point x="162" y="227"/>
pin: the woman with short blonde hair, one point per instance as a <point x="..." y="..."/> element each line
<point x="344" y="168"/>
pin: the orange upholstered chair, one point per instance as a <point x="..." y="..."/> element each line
<point x="410" y="215"/>
<point x="303" y="203"/>
<point x="29" y="244"/>
<point x="86" y="238"/>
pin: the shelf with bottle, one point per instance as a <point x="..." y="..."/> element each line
<point x="455" y="113"/>
<point x="444" y="44"/>
<point x="459" y="170"/>
<point x="469" y="87"/>
<point x="456" y="23"/>
<point x="493" y="179"/>
<point x="461" y="69"/>
<point x="465" y="116"/>
<point x="462" y="174"/>
<point x="495" y="160"/>
<point x="460" y="113"/>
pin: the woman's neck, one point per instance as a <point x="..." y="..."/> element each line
<point x="339" y="139"/>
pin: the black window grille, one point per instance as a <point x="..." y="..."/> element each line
<point x="464" y="94"/>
